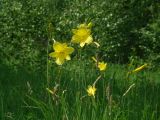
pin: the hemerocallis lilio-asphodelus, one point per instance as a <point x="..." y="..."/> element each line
<point x="61" y="52"/>
<point x="82" y="35"/>
<point x="101" y="65"/>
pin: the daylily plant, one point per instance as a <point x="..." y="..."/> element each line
<point x="61" y="52"/>
<point x="91" y="90"/>
<point x="82" y="34"/>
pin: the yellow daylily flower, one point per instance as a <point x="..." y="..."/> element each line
<point x="61" y="52"/>
<point x="82" y="34"/>
<point x="139" y="68"/>
<point x="101" y="65"/>
<point x="91" y="90"/>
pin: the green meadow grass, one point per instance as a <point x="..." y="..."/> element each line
<point x="23" y="95"/>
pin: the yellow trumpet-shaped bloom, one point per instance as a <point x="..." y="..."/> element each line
<point x="61" y="52"/>
<point x="139" y="68"/>
<point x="91" y="90"/>
<point x="82" y="34"/>
<point x="101" y="65"/>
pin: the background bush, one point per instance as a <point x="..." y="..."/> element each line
<point x="23" y="37"/>
<point x="126" y="28"/>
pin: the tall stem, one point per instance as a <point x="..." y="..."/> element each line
<point x="47" y="66"/>
<point x="49" y="30"/>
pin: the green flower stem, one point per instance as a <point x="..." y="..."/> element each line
<point x="47" y="66"/>
<point x="58" y="79"/>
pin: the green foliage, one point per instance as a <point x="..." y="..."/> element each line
<point x="151" y="35"/>
<point x="123" y="28"/>
<point x="119" y="26"/>
<point x="26" y="98"/>
<point x="127" y="30"/>
<point x="23" y="38"/>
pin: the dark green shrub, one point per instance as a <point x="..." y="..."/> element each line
<point x="23" y="34"/>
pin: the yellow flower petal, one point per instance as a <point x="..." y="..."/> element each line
<point x="75" y="39"/>
<point x="89" y="40"/>
<point x="69" y="50"/>
<point x="59" y="46"/>
<point x="91" y="90"/>
<point x="52" y="54"/>
<point x="82" y="25"/>
<point x="82" y="44"/>
<point x="59" y="61"/>
<point x="139" y="68"/>
<point x="74" y="31"/>
<point x="68" y="57"/>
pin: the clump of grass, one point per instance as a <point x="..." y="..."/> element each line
<point x="141" y="102"/>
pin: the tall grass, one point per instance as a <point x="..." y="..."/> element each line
<point x="24" y="95"/>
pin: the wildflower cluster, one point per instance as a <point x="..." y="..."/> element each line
<point x="82" y="35"/>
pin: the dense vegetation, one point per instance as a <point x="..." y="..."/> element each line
<point x="131" y="25"/>
<point x="128" y="32"/>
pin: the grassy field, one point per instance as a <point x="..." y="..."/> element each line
<point x="23" y="95"/>
<point x="47" y="68"/>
